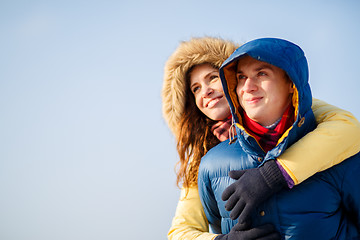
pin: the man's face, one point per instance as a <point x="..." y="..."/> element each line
<point x="263" y="90"/>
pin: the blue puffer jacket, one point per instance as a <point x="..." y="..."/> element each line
<point x="326" y="206"/>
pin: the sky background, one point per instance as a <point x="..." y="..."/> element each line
<point x="84" y="151"/>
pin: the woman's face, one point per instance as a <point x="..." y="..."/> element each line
<point x="206" y="86"/>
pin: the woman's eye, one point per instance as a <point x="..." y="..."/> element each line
<point x="195" y="89"/>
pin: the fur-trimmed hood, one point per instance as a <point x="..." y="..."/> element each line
<point x="188" y="54"/>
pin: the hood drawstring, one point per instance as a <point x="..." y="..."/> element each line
<point x="232" y="132"/>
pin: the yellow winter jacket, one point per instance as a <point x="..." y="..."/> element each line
<point x="336" y="138"/>
<point x="190" y="221"/>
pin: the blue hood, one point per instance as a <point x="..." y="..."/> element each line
<point x="291" y="59"/>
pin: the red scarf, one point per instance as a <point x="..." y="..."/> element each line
<point x="221" y="129"/>
<point x="268" y="138"/>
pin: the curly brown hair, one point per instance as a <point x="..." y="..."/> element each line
<point x="195" y="138"/>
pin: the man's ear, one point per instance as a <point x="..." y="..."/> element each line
<point x="292" y="87"/>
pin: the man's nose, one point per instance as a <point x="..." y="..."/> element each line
<point x="249" y="85"/>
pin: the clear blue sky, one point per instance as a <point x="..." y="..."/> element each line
<point x="84" y="151"/>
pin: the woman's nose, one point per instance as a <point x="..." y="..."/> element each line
<point x="207" y="91"/>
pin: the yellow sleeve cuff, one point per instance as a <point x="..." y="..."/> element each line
<point x="190" y="221"/>
<point x="336" y="138"/>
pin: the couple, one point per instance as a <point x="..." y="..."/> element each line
<point x="277" y="139"/>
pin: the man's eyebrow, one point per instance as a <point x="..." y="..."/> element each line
<point x="261" y="67"/>
<point x="215" y="71"/>
<point x="264" y="66"/>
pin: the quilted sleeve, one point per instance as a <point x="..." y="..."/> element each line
<point x="337" y="137"/>
<point x="190" y="221"/>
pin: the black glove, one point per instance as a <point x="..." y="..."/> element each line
<point x="253" y="186"/>
<point x="263" y="232"/>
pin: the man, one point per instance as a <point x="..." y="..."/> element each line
<point x="266" y="85"/>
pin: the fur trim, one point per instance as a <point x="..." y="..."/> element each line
<point x="188" y="54"/>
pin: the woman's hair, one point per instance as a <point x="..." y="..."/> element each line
<point x="194" y="140"/>
<point x="189" y="125"/>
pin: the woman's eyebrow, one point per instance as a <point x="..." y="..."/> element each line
<point x="193" y="84"/>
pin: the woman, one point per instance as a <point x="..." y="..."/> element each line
<point x="196" y="133"/>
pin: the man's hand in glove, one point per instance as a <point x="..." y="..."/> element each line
<point x="253" y="186"/>
<point x="266" y="231"/>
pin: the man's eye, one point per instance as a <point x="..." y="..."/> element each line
<point x="214" y="77"/>
<point x="240" y="77"/>
<point x="262" y="74"/>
